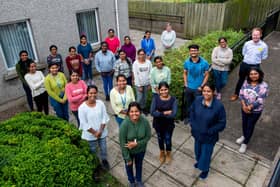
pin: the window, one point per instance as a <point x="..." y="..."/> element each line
<point x="88" y="25"/>
<point x="14" y="38"/>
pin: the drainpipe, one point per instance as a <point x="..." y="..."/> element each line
<point x="117" y="18"/>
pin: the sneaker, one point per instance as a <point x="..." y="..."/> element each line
<point x="219" y="96"/>
<point x="240" y="140"/>
<point x="105" y="164"/>
<point x="233" y="97"/>
<point x="242" y="148"/>
<point x="140" y="184"/>
<point x="203" y="175"/>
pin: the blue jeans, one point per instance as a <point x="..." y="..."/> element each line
<point x="107" y="83"/>
<point x="87" y="71"/>
<point x="119" y="120"/>
<point x="76" y="114"/>
<point x="248" y="124"/>
<point x="203" y="153"/>
<point x="60" y="109"/>
<point x="220" y="78"/>
<point x="142" y="96"/>
<point x="190" y="96"/>
<point x="28" y="96"/>
<point x="138" y="159"/>
<point x="165" y="137"/>
<point x="101" y="142"/>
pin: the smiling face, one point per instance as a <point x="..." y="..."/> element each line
<point x="134" y="114"/>
<point x="32" y="67"/>
<point x="256" y="36"/>
<point x="23" y="57"/>
<point x="126" y="40"/>
<point x="254" y="75"/>
<point x="92" y="95"/>
<point x="207" y="93"/>
<point x="223" y="43"/>
<point x="163" y="91"/>
<point x="72" y="52"/>
<point x="54" y="69"/>
<point x="159" y="63"/>
<point x="194" y="52"/>
<point x="83" y="40"/>
<point x="141" y="56"/>
<point x="53" y="51"/>
<point x="104" y="47"/>
<point x="74" y="77"/>
<point x="122" y="55"/>
<point x="148" y="35"/>
<point x="121" y="83"/>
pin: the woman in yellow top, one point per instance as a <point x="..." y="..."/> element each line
<point x="121" y="96"/>
<point x="55" y="85"/>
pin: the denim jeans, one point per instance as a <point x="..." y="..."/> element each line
<point x="87" y="71"/>
<point x="76" y="114"/>
<point x="101" y="142"/>
<point x="138" y="160"/>
<point x="248" y="124"/>
<point x="220" y="78"/>
<point x="203" y="153"/>
<point x="243" y="71"/>
<point x="60" y="109"/>
<point x="28" y="96"/>
<point x="191" y="94"/>
<point x="119" y="120"/>
<point x="141" y="97"/>
<point x="165" y="137"/>
<point x="107" y="83"/>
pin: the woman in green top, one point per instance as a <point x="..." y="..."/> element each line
<point x="135" y="132"/>
<point x="55" y="85"/>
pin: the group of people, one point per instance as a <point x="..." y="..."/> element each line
<point x="205" y="112"/>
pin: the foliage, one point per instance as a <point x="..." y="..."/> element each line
<point x="175" y="59"/>
<point x="190" y="1"/>
<point x="39" y="150"/>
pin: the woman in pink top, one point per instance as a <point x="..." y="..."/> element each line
<point x="76" y="91"/>
<point x="113" y="41"/>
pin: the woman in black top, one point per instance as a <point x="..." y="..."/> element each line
<point x="164" y="109"/>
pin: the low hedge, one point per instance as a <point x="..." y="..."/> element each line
<point x="40" y="150"/>
<point x="175" y="59"/>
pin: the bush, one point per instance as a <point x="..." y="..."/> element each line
<point x="175" y="59"/>
<point x="39" y="150"/>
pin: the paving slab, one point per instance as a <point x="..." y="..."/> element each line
<point x="114" y="153"/>
<point x="258" y="176"/>
<point x="216" y="179"/>
<point x="233" y="165"/>
<point x="188" y="148"/>
<point x="161" y="179"/>
<point x="152" y="152"/>
<point x="181" y="168"/>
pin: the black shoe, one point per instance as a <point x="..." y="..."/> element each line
<point x="203" y="175"/>
<point x="107" y="98"/>
<point x="195" y="165"/>
<point x="105" y="164"/>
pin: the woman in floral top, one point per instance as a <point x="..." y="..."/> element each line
<point x="252" y="96"/>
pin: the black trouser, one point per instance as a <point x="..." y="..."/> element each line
<point x="248" y="124"/>
<point x="28" y="96"/>
<point x="42" y="102"/>
<point x="190" y="96"/>
<point x="243" y="72"/>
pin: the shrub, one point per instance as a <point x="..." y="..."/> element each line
<point x="175" y="59"/>
<point x="40" y="150"/>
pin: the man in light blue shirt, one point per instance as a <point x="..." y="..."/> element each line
<point x="195" y="76"/>
<point x="104" y="63"/>
<point x="254" y="51"/>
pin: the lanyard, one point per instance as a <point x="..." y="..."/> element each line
<point x="123" y="98"/>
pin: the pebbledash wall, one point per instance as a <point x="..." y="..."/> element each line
<point x="52" y="22"/>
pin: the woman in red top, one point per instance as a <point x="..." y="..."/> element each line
<point x="74" y="61"/>
<point x="113" y="42"/>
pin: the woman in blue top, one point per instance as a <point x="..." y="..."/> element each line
<point x="148" y="44"/>
<point x="207" y="119"/>
<point x="164" y="109"/>
<point x="85" y="50"/>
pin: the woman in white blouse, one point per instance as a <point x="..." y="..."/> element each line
<point x="93" y="118"/>
<point x="168" y="37"/>
<point x="35" y="80"/>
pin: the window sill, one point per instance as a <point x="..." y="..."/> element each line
<point x="12" y="74"/>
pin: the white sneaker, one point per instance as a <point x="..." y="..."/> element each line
<point x="242" y="148"/>
<point x="240" y="140"/>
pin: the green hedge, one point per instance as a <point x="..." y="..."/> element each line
<point x="39" y="150"/>
<point x="175" y="59"/>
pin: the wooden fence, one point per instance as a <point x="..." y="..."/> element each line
<point x="192" y="19"/>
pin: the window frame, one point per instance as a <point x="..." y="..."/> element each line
<point x="30" y="33"/>
<point x="95" y="10"/>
